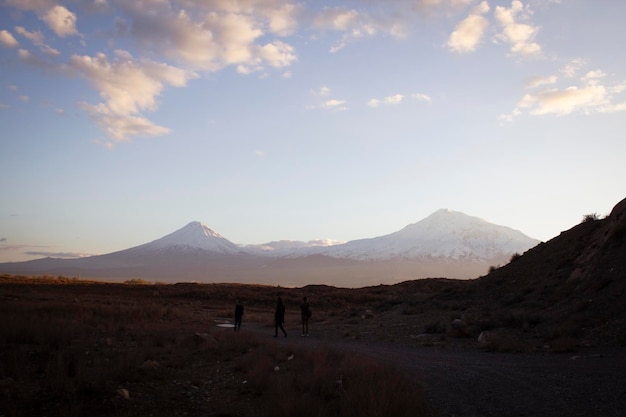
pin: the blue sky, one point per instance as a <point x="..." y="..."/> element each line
<point x="122" y="121"/>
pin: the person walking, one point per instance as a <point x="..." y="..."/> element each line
<point x="238" y="315"/>
<point x="305" y="314"/>
<point x="279" y="317"/>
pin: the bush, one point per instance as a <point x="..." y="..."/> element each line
<point x="592" y="217"/>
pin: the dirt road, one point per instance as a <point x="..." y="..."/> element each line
<point x="474" y="383"/>
<point x="465" y="383"/>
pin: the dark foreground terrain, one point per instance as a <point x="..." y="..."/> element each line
<point x="71" y="348"/>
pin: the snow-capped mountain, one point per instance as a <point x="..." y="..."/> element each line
<point x="445" y="234"/>
<point x="194" y="236"/>
<point x="285" y="247"/>
<point x="445" y="244"/>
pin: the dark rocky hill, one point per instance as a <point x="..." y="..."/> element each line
<point x="566" y="292"/>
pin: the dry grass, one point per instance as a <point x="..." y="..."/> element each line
<point x="71" y="348"/>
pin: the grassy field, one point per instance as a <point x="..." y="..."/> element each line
<point x="75" y="348"/>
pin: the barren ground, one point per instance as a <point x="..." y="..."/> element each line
<point x="457" y="376"/>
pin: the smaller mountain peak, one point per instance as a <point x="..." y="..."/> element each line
<point x="445" y="211"/>
<point x="200" y="228"/>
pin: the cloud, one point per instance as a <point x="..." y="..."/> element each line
<point x="279" y="17"/>
<point x="590" y="95"/>
<point x="323" y="91"/>
<point x="37" y="39"/>
<point x="7" y="40"/>
<point x="520" y="36"/>
<point x="566" y="101"/>
<point x="355" y="25"/>
<point x="336" y="18"/>
<point x="422" y="97"/>
<point x="28" y="58"/>
<point x="509" y="117"/>
<point x="391" y="100"/>
<point x="61" y="21"/>
<point x="334" y="104"/>
<point x="128" y="87"/>
<point x="594" y="75"/>
<point x="277" y="54"/>
<point x="468" y="34"/>
<point x="537" y="81"/>
<point x="62" y="255"/>
<point x="223" y="35"/>
<point x="122" y="126"/>
<point x="58" y="18"/>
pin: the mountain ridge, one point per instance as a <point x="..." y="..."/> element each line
<point x="456" y="246"/>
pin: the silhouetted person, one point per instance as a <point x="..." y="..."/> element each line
<point x="305" y="314"/>
<point x="279" y="317"/>
<point x="238" y="315"/>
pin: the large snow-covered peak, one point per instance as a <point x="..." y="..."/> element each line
<point x="445" y="221"/>
<point x="195" y="235"/>
<point x="445" y="234"/>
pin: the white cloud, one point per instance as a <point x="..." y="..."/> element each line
<point x="561" y="102"/>
<point x="58" y="18"/>
<point x="128" y="87"/>
<point x="7" y="40"/>
<point x="61" y="21"/>
<point x="468" y="34"/>
<point x="336" y="19"/>
<point x="356" y="25"/>
<point x="282" y="20"/>
<point x="422" y="97"/>
<point x="537" y="81"/>
<point x="619" y="88"/>
<point x="334" y="104"/>
<point x="38" y="40"/>
<point x="591" y="96"/>
<point x="222" y="34"/>
<point x="520" y="36"/>
<point x="508" y="117"/>
<point x="573" y="67"/>
<point x="594" y="75"/>
<point x="121" y="127"/>
<point x="322" y="91"/>
<point x="391" y="100"/>
<point x="277" y="54"/>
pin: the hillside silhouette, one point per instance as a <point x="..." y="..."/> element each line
<point x="577" y="280"/>
<point x="563" y="293"/>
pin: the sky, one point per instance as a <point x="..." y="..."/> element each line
<point x="122" y="121"/>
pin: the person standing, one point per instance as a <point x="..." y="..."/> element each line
<point x="238" y="315"/>
<point x="279" y="317"/>
<point x="305" y="314"/>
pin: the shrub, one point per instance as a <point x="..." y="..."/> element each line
<point x="592" y="217"/>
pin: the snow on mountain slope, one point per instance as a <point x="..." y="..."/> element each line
<point x="279" y="247"/>
<point x="444" y="234"/>
<point x="194" y="236"/>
